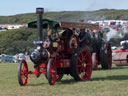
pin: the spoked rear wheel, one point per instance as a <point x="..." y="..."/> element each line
<point x="51" y="72"/>
<point x="81" y="64"/>
<point x="23" y="73"/>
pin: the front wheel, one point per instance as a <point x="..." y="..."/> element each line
<point x="51" y="72"/>
<point x="23" y="73"/>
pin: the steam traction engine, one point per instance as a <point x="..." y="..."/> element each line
<point x="58" y="54"/>
<point x="121" y="56"/>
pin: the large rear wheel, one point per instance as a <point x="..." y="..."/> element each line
<point x="81" y="64"/>
<point x="23" y="73"/>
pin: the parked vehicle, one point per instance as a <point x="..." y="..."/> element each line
<point x="7" y="58"/>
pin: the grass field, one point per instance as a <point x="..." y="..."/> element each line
<point x="112" y="82"/>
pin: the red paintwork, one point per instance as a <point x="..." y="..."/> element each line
<point x="126" y="50"/>
<point x="39" y="70"/>
<point x="53" y="72"/>
<point x="24" y="73"/>
<point x="84" y="65"/>
<point x="74" y="40"/>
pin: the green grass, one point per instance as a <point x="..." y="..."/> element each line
<point x="112" y="82"/>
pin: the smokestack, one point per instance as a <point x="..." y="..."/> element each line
<point x="39" y="12"/>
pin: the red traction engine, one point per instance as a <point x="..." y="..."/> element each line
<point x="59" y="53"/>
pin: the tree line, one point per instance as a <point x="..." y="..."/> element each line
<point x="103" y="14"/>
<point x="21" y="40"/>
<point x="17" y="41"/>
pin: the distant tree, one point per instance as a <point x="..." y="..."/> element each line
<point x="15" y="41"/>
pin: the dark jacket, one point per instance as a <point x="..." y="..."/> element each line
<point x="85" y="39"/>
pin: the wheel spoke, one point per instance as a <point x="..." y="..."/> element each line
<point x="86" y="55"/>
<point x="80" y="69"/>
<point x="82" y="56"/>
<point x="86" y="58"/>
<point x="79" y="60"/>
<point x="82" y="74"/>
<point x="86" y="74"/>
<point x="22" y="73"/>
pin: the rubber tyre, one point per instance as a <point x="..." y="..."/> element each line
<point x="106" y="56"/>
<point x="81" y="64"/>
<point x="23" y="73"/>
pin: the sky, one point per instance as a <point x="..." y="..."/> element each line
<point x="13" y="7"/>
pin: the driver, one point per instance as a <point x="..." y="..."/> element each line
<point x="84" y="38"/>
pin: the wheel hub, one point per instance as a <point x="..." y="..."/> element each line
<point x="83" y="64"/>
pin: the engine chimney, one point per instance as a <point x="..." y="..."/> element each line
<point x="39" y="12"/>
